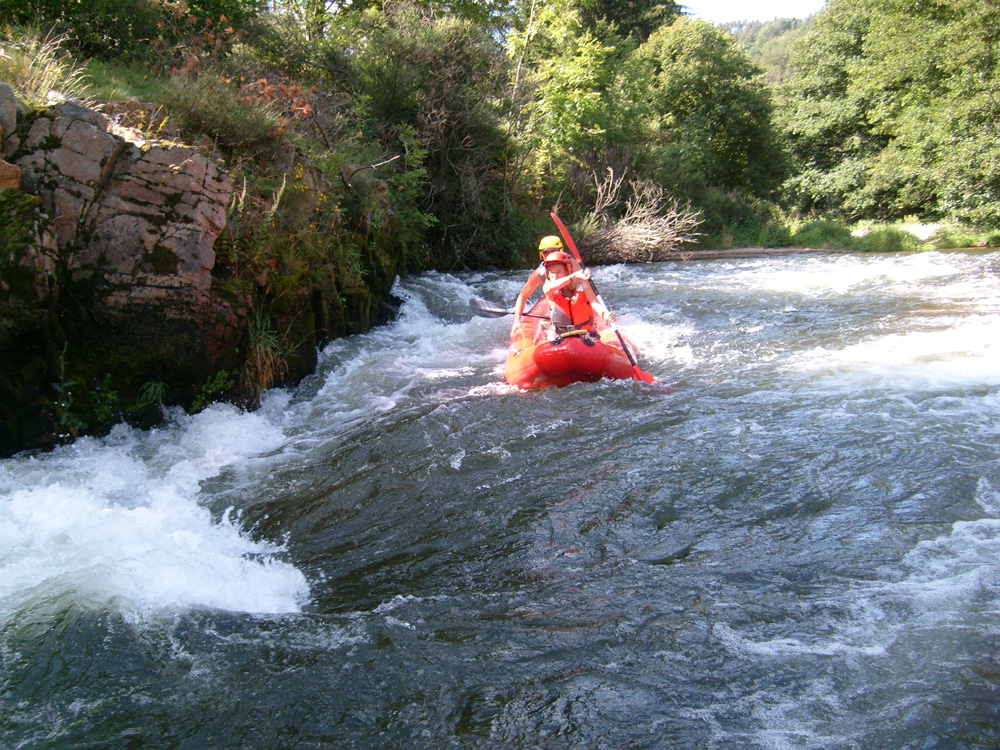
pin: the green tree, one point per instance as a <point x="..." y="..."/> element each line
<point x="929" y="70"/>
<point x="709" y="113"/>
<point x="628" y="18"/>
<point x="892" y="110"/>
<point x="320" y="17"/>
<point x="566" y="116"/>
<point x="822" y="116"/>
<point x="433" y="88"/>
<point x="767" y="42"/>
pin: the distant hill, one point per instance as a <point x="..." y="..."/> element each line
<point x="766" y="42"/>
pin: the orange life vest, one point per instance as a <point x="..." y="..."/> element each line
<point x="572" y="311"/>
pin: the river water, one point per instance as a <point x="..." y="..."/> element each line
<point x="796" y="549"/>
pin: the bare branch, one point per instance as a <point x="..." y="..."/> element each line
<point x="644" y="226"/>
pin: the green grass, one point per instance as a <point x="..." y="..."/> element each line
<point x="821" y="235"/>
<point x="887" y="240"/>
<point x="197" y="105"/>
<point x="112" y="82"/>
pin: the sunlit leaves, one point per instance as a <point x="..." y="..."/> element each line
<point x="906" y="92"/>
<point x="711" y="109"/>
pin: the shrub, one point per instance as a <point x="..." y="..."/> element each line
<point x="886" y="240"/>
<point x="99" y="28"/>
<point x="272" y="43"/>
<point x="127" y="29"/>
<point x="207" y="105"/>
<point x="761" y="234"/>
<point x="822" y="234"/>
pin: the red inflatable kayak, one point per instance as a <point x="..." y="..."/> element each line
<point x="538" y="358"/>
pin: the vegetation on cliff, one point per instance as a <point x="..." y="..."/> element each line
<point x="470" y="120"/>
<point x="367" y="140"/>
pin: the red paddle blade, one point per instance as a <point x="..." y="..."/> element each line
<point x="566" y="237"/>
<point x="641" y="375"/>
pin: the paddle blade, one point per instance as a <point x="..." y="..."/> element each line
<point x="567" y="238"/>
<point x="485" y="309"/>
<point x="641" y="376"/>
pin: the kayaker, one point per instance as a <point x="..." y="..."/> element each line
<point x="572" y="301"/>
<point x="537" y="278"/>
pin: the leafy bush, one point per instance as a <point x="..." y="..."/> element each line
<point x="126" y="29"/>
<point x="101" y="28"/>
<point x="275" y="43"/>
<point x="767" y="234"/>
<point x="734" y="219"/>
<point x="886" y="240"/>
<point x="957" y="237"/>
<point x="822" y="234"/>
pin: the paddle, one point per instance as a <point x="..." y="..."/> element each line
<point x="637" y="373"/>
<point x="485" y="309"/>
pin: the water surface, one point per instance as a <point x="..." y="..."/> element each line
<point x="797" y="549"/>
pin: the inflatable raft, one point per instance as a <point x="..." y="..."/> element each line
<point x="539" y="358"/>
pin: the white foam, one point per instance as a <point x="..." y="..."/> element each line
<point x="834" y="646"/>
<point x="951" y="570"/>
<point x="119" y="520"/>
<point x="965" y="353"/>
<point x="833" y="275"/>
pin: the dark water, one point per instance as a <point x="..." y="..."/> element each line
<point x="797" y="549"/>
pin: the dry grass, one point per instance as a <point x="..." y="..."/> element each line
<point x="37" y="66"/>
<point x="267" y="357"/>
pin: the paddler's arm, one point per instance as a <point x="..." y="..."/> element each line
<point x="557" y="284"/>
<point x="533" y="282"/>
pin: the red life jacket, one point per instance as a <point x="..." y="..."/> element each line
<point x="572" y="311"/>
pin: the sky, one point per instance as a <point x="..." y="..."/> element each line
<point x="722" y="11"/>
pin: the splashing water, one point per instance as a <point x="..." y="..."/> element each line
<point x="798" y="548"/>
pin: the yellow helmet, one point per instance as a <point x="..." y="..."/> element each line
<point x="548" y="244"/>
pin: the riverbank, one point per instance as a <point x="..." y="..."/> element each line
<point x="751" y="252"/>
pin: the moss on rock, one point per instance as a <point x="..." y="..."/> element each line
<point x="19" y="216"/>
<point x="162" y="260"/>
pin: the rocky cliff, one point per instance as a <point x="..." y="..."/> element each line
<point x="106" y="276"/>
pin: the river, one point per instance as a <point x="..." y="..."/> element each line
<point x="796" y="549"/>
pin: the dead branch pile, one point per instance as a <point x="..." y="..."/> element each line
<point x="636" y="222"/>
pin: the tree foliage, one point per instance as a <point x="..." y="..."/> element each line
<point x="767" y="43"/>
<point x="432" y="87"/>
<point x="709" y="114"/>
<point x="892" y="110"/>
<point x="628" y="18"/>
<point x="566" y="113"/>
<point x="474" y="115"/>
